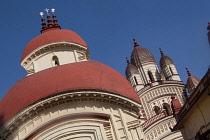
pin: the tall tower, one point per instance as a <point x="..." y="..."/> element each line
<point x="144" y="61"/>
<point x="156" y="88"/>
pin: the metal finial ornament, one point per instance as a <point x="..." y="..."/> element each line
<point x="161" y="52"/>
<point x="208" y="27"/>
<point x="188" y="72"/>
<point x="41" y="14"/>
<point x="135" y="43"/>
<point x="46" y="10"/>
<point x="127" y="60"/>
<point x="53" y="10"/>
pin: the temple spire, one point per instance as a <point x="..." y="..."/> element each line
<point x="50" y="26"/>
<point x="135" y="43"/>
<point x="54" y="17"/>
<point x="43" y="21"/>
<point x="208" y="28"/>
<point x="188" y="72"/>
<point x="161" y="52"/>
<point x="127" y="60"/>
<point x="49" y="21"/>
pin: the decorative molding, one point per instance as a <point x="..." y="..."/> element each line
<point x="67" y="98"/>
<point x="58" y="46"/>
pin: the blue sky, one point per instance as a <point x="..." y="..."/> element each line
<point x="108" y="27"/>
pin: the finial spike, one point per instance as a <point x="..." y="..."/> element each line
<point x="41" y="14"/>
<point x="53" y="10"/>
<point x="127" y="60"/>
<point x="208" y="27"/>
<point x="135" y="43"/>
<point x="161" y="52"/>
<point x="208" y="34"/>
<point x="49" y="21"/>
<point x="49" y="26"/>
<point x="43" y="20"/>
<point x="46" y="9"/>
<point x="54" y="18"/>
<point x="188" y="72"/>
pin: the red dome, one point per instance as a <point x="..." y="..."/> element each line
<point x="52" y="36"/>
<point x="76" y="76"/>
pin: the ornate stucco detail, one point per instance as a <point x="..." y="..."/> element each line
<point x="31" y="113"/>
<point x="71" y="51"/>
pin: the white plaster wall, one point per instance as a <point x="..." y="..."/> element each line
<point x="155" y="72"/>
<point x="169" y="75"/>
<point x="41" y="58"/>
<point x="198" y="116"/>
<point x="161" y="130"/>
<point x="74" y="130"/>
<point x="133" y="83"/>
<point x="124" y="124"/>
<point x="45" y="61"/>
<point x="138" y="78"/>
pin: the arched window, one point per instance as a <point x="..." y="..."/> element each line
<point x="167" y="108"/>
<point x="151" y="76"/>
<point x="171" y="71"/>
<point x="55" y="61"/>
<point x="135" y="80"/>
<point x="157" y="110"/>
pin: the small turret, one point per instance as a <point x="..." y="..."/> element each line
<point x="168" y="68"/>
<point x="192" y="82"/>
<point x="146" y="64"/>
<point x="133" y="76"/>
<point x="141" y="55"/>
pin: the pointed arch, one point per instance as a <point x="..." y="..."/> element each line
<point x="157" y="110"/>
<point x="167" y="108"/>
<point x="171" y="70"/>
<point x="135" y="80"/>
<point x="55" y="61"/>
<point x="151" y="76"/>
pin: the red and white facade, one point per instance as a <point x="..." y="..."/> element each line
<point x="65" y="95"/>
<point x="155" y="88"/>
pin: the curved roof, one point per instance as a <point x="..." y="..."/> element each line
<point x="192" y="83"/>
<point x="165" y="60"/>
<point x="52" y="36"/>
<point x="131" y="69"/>
<point x="142" y="55"/>
<point x="75" y="76"/>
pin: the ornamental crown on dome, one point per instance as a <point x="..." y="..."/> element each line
<point x="50" y="25"/>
